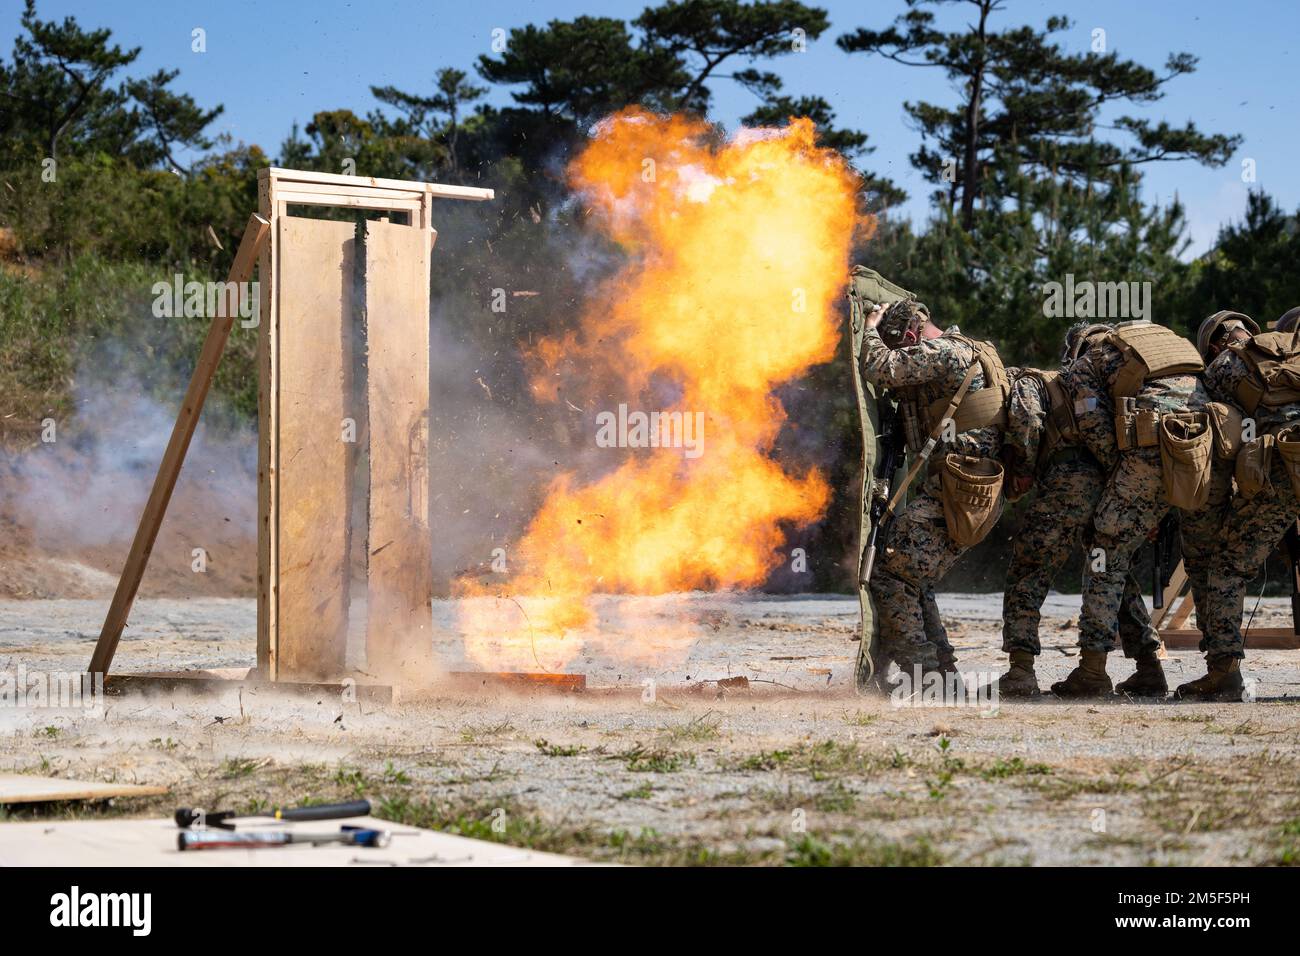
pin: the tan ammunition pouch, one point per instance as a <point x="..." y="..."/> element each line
<point x="1254" y="461"/>
<point x="1150" y="351"/>
<point x="988" y="405"/>
<point x="1273" y="361"/>
<point x="1186" y="444"/>
<point x="971" y="491"/>
<point x="1136" y="427"/>
<point x="1226" y="422"/>
<point x="1287" y="442"/>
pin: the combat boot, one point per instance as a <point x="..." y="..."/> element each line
<point x="1089" y="679"/>
<point x="1147" y="681"/>
<point x="1020" y="680"/>
<point x="1222" y="681"/>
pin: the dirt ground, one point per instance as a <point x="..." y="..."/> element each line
<point x="657" y="764"/>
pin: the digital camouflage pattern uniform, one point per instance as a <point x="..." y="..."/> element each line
<point x="1237" y="535"/>
<point x="1068" y="486"/>
<point x="1133" y="500"/>
<point x="919" y="551"/>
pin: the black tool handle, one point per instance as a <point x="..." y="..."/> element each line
<point x="326" y="811"/>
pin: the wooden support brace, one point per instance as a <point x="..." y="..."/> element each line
<point x="250" y="247"/>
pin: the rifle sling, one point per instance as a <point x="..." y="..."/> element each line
<point x="928" y="447"/>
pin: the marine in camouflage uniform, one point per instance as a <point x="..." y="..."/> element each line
<point x="1129" y="510"/>
<point x="919" y="550"/>
<point x="1069" y="483"/>
<point x="1235" y="535"/>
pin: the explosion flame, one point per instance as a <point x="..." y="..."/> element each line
<point x="737" y="254"/>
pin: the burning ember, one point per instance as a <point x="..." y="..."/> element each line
<point x="737" y="254"/>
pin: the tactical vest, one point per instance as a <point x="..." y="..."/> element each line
<point x="979" y="409"/>
<point x="1060" y="430"/>
<point x="1273" y="363"/>
<point x="1150" y="351"/>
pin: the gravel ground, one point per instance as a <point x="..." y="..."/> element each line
<point x="657" y="764"/>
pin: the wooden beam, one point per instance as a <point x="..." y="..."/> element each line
<point x="268" y="422"/>
<point x="437" y="190"/>
<point x="355" y="202"/>
<point x="241" y="270"/>
<point x="399" y="621"/>
<point x="1257" y="639"/>
<point x="1176" y="583"/>
<point x="316" y="460"/>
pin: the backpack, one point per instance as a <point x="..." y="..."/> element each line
<point x="1273" y="363"/>
<point x="988" y="405"/>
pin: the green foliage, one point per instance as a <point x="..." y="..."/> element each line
<point x="1025" y="99"/>
<point x="1252" y="267"/>
<point x="60" y="101"/>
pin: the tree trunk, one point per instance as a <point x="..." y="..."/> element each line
<point x="970" y="172"/>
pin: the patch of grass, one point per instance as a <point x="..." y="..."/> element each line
<point x="351" y="778"/>
<point x="642" y="759"/>
<point x="807" y="850"/>
<point x="765" y="760"/>
<point x="949" y="767"/>
<point x="500" y="822"/>
<point x="835" y="799"/>
<point x="493" y="775"/>
<point x="1288" y="850"/>
<point x="394" y="777"/>
<point x="1001" y="769"/>
<point x="234" y="768"/>
<point x="48" y="732"/>
<point x="642" y="792"/>
<point x="703" y="728"/>
<point x="473" y="733"/>
<point x="559" y="750"/>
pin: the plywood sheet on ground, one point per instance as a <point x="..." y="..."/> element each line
<point x="316" y="331"/>
<point x="400" y="587"/>
<point x="153" y="843"/>
<point x="28" y="788"/>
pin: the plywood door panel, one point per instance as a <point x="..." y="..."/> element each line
<point x="400" y="586"/>
<point x="314" y="331"/>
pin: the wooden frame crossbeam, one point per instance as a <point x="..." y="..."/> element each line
<point x="1176" y="635"/>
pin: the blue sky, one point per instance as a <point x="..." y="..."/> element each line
<point x="272" y="62"/>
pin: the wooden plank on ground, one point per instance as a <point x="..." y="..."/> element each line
<point x="1257" y="639"/>
<point x="119" y="843"/>
<point x="400" y="586"/>
<point x="316" y="318"/>
<point x="187" y="420"/>
<point x="221" y="679"/>
<point x="28" y="788"/>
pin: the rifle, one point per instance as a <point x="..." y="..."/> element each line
<point x="1162" y="564"/>
<point x="1292" y="541"/>
<point x="891" y="453"/>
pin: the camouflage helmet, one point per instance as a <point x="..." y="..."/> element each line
<point x="899" y="317"/>
<point x="1210" y="327"/>
<point x="1288" y="321"/>
<point x="1076" y="340"/>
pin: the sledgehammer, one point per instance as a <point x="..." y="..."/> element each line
<point x="187" y="816"/>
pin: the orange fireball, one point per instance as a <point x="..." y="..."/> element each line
<point x="737" y="255"/>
